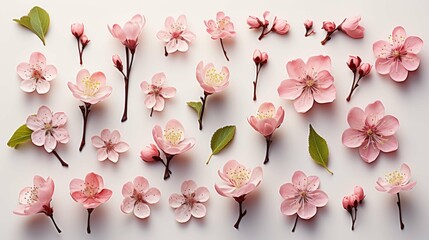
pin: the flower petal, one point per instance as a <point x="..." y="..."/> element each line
<point x="299" y="180"/>
<point x="159" y="105"/>
<point x="103" y="195"/>
<point x="389" y="144"/>
<point x="34" y="123"/>
<point x="318" y="198"/>
<point x="38" y="60"/>
<point x="304" y="102"/>
<point x="102" y="154"/>
<point x="183" y="213"/>
<point x="406" y="171"/>
<point x="398" y="72"/>
<point x="374" y="112"/>
<point x="382" y="49"/>
<point x="145" y="87"/>
<point x="152" y="196"/>
<point x="171" y="46"/>
<point x="168" y="92"/>
<point x="324" y="79"/>
<point x="388" y="125"/>
<point x="198" y="210"/>
<point x="141" y="210"/>
<point x="383" y="66"/>
<point x="353" y="138"/>
<point x="28" y="85"/>
<point x="59" y="119"/>
<point x="44" y="114"/>
<point x="176" y="200"/>
<point x="202" y="194"/>
<point x="61" y="135"/>
<point x="398" y="35"/>
<point x="325" y="95"/>
<point x="38" y="137"/>
<point x="121" y="147"/>
<point x="113" y="156"/>
<point x="42" y="86"/>
<point x="296" y="69"/>
<point x="50" y="143"/>
<point x="369" y="152"/>
<point x="97" y="142"/>
<point x="24" y="71"/>
<point x="307" y="211"/>
<point x="141" y="184"/>
<point x="188" y="188"/>
<point x="410" y="61"/>
<point x="76" y="185"/>
<point x="288" y="190"/>
<point x="182" y="46"/>
<point x="413" y="44"/>
<point x="128" y="189"/>
<point x="290" y="206"/>
<point x="318" y="64"/>
<point x="50" y="72"/>
<point x="164" y="36"/>
<point x="150" y="101"/>
<point x="356" y="118"/>
<point x="106" y="135"/>
<point x="127" y="204"/>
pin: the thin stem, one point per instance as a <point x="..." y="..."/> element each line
<point x="126" y="80"/>
<point x="151" y="112"/>
<point x="165" y="52"/>
<point x="400" y="212"/>
<point x="309" y="32"/>
<point x="85" y="109"/>
<point x="64" y="164"/>
<point x="200" y="120"/>
<point x="350" y="210"/>
<point x="48" y="211"/>
<point x="267" y="153"/>
<point x="223" y="48"/>
<point x="354" y="219"/>
<point x="158" y="159"/>
<point x="241" y="214"/>
<point x="294" y="225"/>
<point x="263" y="33"/>
<point x="55" y="224"/>
<point x="79" y="50"/>
<point x="328" y="34"/>
<point x="255" y="83"/>
<point x="88" y="224"/>
<point x="352" y="88"/>
<point x="167" y="171"/>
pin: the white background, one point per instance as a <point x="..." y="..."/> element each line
<point x="377" y="217"/>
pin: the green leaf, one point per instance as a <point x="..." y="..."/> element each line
<point x="37" y="21"/>
<point x="318" y="149"/>
<point x="21" y="135"/>
<point x="220" y="139"/>
<point x="197" y="106"/>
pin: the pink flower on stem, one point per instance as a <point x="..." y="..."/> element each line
<point x="359" y="70"/>
<point x="90" y="193"/>
<point x="171" y="141"/>
<point x="220" y="29"/>
<point x="150" y="153"/>
<point x="138" y="196"/>
<point x="190" y="202"/>
<point x="176" y="36"/>
<point x="266" y="122"/>
<point x="309" y="82"/>
<point x="239" y="181"/>
<point x="351" y="202"/>
<point x="36" y="75"/>
<point x="90" y="89"/>
<point x="37" y="199"/>
<point x="211" y="81"/>
<point x="48" y="129"/>
<point x="280" y="26"/>
<point x="396" y="182"/>
<point x="109" y="145"/>
<point x="77" y="30"/>
<point x="399" y="56"/>
<point x="371" y="131"/>
<point x="157" y="92"/>
<point x="308" y="24"/>
<point x="129" y="37"/>
<point x="349" y="26"/>
<point x="302" y="197"/>
<point x="260" y="59"/>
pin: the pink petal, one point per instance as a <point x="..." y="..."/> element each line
<point x="296" y="69"/>
<point x="304" y="102"/>
<point x="307" y="211"/>
<point x="24" y="71"/>
<point x="198" y="210"/>
<point x="93" y="180"/>
<point x="312" y="183"/>
<point x="374" y="112"/>
<point x="106" y="135"/>
<point x="97" y="142"/>
<point x="113" y="156"/>
<point x="145" y="87"/>
<point x="405" y="169"/>
<point x="181" y="20"/>
<point x="50" y="72"/>
<point x="59" y="119"/>
<point x="158" y="79"/>
<point x="318" y="198"/>
<point x="389" y="144"/>
<point x="318" y="64"/>
<point x="102" y="154"/>
<point x="288" y="190"/>
<point x="353" y="138"/>
<point x="188" y="36"/>
<point x="128" y="189"/>
<point x="38" y="59"/>
<point x="413" y="44"/>
<point x="382" y="49"/>
<point x="100" y="78"/>
<point x="81" y="75"/>
<point x="398" y="35"/>
<point x="231" y="165"/>
<point x="299" y="180"/>
<point x="44" y="114"/>
<point x="76" y="185"/>
<point x="388" y="125"/>
<point x="104" y="195"/>
<point x="188" y="188"/>
<point x="324" y="79"/>
<point x="266" y="108"/>
<point x="368" y="152"/>
<point x="117" y="32"/>
<point x="121" y="147"/>
<point x="168" y="92"/>
<point x="356" y="118"/>
<point x="61" y="135"/>
<point x="131" y="30"/>
<point x="290" y="206"/>
<point x="225" y="191"/>
<point x="202" y="194"/>
<point x="409" y="186"/>
<point x="176" y="200"/>
<point x="383" y="66"/>
<point x="183" y="213"/>
<point x="127" y="205"/>
<point x="152" y="196"/>
<point x="159" y="105"/>
<point x="171" y="46"/>
<point x="176" y="125"/>
<point x="244" y="190"/>
<point x="34" y="123"/>
<point x="182" y="46"/>
<point x="398" y="72"/>
<point x="28" y="85"/>
<point x="50" y="143"/>
<point x="164" y="36"/>
<point x="139" y="19"/>
<point x="410" y="61"/>
<point x="357" y="33"/>
<point x="141" y="184"/>
<point x="380" y="185"/>
<point x="141" y="210"/>
<point x="325" y="95"/>
<point x="169" y="21"/>
<point x="38" y="137"/>
<point x="200" y="72"/>
<point x="42" y="86"/>
<point x="150" y="101"/>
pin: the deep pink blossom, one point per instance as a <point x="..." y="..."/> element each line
<point x="371" y="131"/>
<point x="157" y="92"/>
<point x="308" y="24"/>
<point x="129" y="34"/>
<point x="351" y="27"/>
<point x="359" y="70"/>
<point x="351" y="203"/>
<point x="36" y="75"/>
<point x="176" y="35"/>
<point x="329" y="26"/>
<point x="109" y="145"/>
<point x="150" y="153"/>
<point x="77" y="29"/>
<point x="399" y="56"/>
<point x="308" y="82"/>
<point x="280" y="26"/>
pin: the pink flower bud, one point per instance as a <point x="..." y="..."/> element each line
<point x="254" y="22"/>
<point x="265" y="15"/>
<point x="329" y="26"/>
<point x="358" y="192"/>
<point x="149" y="153"/>
<point x="117" y="62"/>
<point x="84" y="40"/>
<point x="280" y="26"/>
<point x="354" y="62"/>
<point x="308" y="24"/>
<point x="257" y="56"/>
<point x="77" y="29"/>
<point x="353" y="200"/>
<point x="264" y="58"/>
<point x="364" y="69"/>
<point x="351" y="27"/>
<point x="345" y="202"/>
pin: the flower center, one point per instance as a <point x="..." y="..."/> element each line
<point x="89" y="190"/>
<point x="222" y="23"/>
<point x="369" y="132"/>
<point x="32" y="196"/>
<point x="265" y="115"/>
<point x="91" y="86"/>
<point x="156" y="89"/>
<point x="37" y="74"/>
<point x="395" y="178"/>
<point x="214" y="78"/>
<point x="309" y="81"/>
<point x="190" y="199"/>
<point x="239" y="176"/>
<point x="173" y="136"/>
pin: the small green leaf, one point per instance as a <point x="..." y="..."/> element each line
<point x="318" y="149"/>
<point x="220" y="139"/>
<point x="21" y="135"/>
<point x="197" y="106"/>
<point x="37" y="21"/>
<point x="24" y="21"/>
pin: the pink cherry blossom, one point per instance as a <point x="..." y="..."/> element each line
<point x="190" y="202"/>
<point x="176" y="36"/>
<point x="109" y="145"/>
<point x="260" y="59"/>
<point x="308" y="24"/>
<point x="351" y="27"/>
<point x="302" y="196"/>
<point x="90" y="193"/>
<point x="150" y="153"/>
<point x="36" y="75"/>
<point x="359" y="193"/>
<point x="364" y="69"/>
<point x="329" y="27"/>
<point x="37" y="199"/>
<point x="220" y="29"/>
<point x="309" y="82"/>
<point x="371" y="131"/>
<point x="239" y="181"/>
<point x="129" y="34"/>
<point x="254" y="22"/>
<point x="138" y="196"/>
<point x="359" y="70"/>
<point x="351" y="203"/>
<point x="280" y="26"/>
<point x="117" y="62"/>
<point x="157" y="92"/>
<point x="77" y="29"/>
<point x="90" y="88"/>
<point x="399" y="56"/>
<point x="211" y="80"/>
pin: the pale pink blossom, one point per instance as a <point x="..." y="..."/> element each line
<point x="359" y="193"/>
<point x="267" y="119"/>
<point x="260" y="57"/>
<point x="211" y="80"/>
<point x="172" y="139"/>
<point x="254" y="22"/>
<point x="84" y="41"/>
<point x="157" y="92"/>
<point x="371" y="131"/>
<point x="150" y="153"/>
<point x="221" y="28"/>
<point x="176" y="36"/>
<point x="48" y="128"/>
<point x="77" y="29"/>
<point x="308" y="82"/>
<point x="351" y="27"/>
<point x="308" y="24"/>
<point x="399" y="56"/>
<point x="129" y="34"/>
<point x="280" y="26"/>
<point x="90" y="88"/>
<point x="364" y="69"/>
<point x="396" y="181"/>
<point x="117" y="62"/>
<point x="190" y="202"/>
<point x="109" y="145"/>
<point x="138" y="196"/>
<point x="35" y="74"/>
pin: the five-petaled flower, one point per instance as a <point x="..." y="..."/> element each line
<point x="220" y="29"/>
<point x="302" y="197"/>
<point x="137" y="197"/>
<point x="176" y="36"/>
<point x="36" y="75"/>
<point x="399" y="56"/>
<point x="109" y="145"/>
<point x="157" y="92"/>
<point x="309" y="82"/>
<point x="190" y="202"/>
<point x="371" y="131"/>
